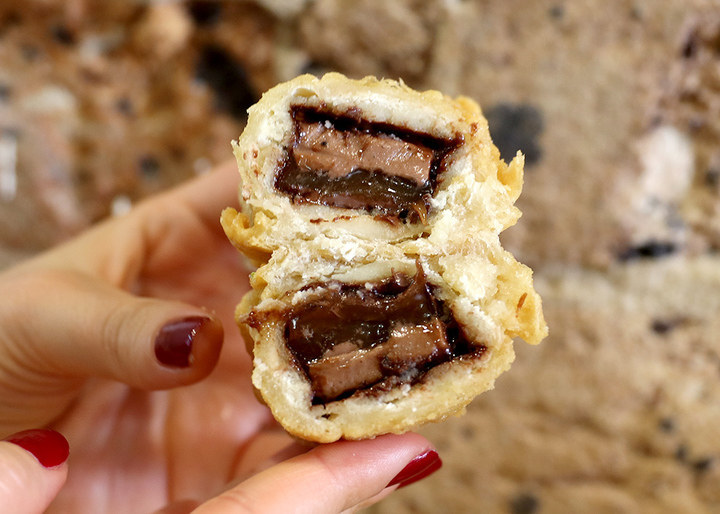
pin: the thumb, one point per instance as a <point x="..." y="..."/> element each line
<point x="33" y="468"/>
<point x="68" y="324"/>
<point x="332" y="478"/>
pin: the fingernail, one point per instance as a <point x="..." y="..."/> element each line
<point x="174" y="343"/>
<point x="420" y="467"/>
<point x="49" y="447"/>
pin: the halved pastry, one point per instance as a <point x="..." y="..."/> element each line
<point x="369" y="158"/>
<point x="383" y="298"/>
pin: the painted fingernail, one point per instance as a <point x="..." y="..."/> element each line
<point x="174" y="343"/>
<point x="420" y="467"/>
<point x="49" y="447"/>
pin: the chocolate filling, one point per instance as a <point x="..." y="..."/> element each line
<point x="342" y="161"/>
<point x="356" y="337"/>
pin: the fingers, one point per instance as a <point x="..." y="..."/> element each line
<point x="331" y="478"/>
<point x="33" y="468"/>
<point x="66" y="324"/>
<point x="179" y="225"/>
<point x="69" y="312"/>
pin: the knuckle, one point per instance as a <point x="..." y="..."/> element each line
<point x="110" y="330"/>
<point x="25" y="293"/>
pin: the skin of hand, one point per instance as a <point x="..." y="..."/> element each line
<point x="123" y="340"/>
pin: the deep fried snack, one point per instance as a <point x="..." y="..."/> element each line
<point x="383" y="298"/>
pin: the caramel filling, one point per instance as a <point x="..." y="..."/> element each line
<point x="341" y="161"/>
<point x="359" y="337"/>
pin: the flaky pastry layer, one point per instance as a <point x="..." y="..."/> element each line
<point x="268" y="219"/>
<point x="303" y="249"/>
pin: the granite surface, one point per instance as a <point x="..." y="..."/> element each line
<point x="617" y="108"/>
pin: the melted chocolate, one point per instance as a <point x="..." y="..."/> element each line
<point x="354" y="313"/>
<point x="388" y="192"/>
<point x="353" y="337"/>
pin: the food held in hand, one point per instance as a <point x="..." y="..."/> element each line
<point x="383" y="298"/>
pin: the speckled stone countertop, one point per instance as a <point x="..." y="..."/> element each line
<point x="617" y="110"/>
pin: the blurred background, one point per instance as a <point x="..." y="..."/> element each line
<point x="616" y="106"/>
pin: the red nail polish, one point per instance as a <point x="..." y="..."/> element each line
<point x="420" y="467"/>
<point x="50" y="448"/>
<point x="173" y="345"/>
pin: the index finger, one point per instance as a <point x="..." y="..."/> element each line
<point x="210" y="193"/>
<point x="116" y="248"/>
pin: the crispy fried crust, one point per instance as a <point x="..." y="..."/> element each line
<point x="489" y="293"/>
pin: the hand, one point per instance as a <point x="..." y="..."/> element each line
<point x="115" y="340"/>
